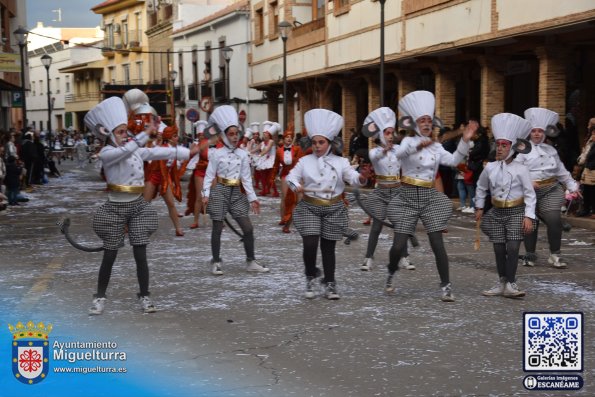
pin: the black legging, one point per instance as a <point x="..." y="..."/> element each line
<point x="327" y="249"/>
<point x="588" y="198"/>
<point x="247" y="231"/>
<point x="373" y="239"/>
<point x="398" y="250"/>
<point x="142" y="270"/>
<point x="507" y="256"/>
<point x="553" y="220"/>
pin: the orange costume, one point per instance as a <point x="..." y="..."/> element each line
<point x="199" y="170"/>
<point x="159" y="174"/>
<point x="285" y="159"/>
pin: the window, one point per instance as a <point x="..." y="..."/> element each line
<point x="57" y="85"/>
<point x="67" y="88"/>
<point x="111" y="76"/>
<point x="109" y="33"/>
<point x="139" y="26"/>
<point x="207" y="72"/>
<point x="221" y="59"/>
<point x="139" y="71"/>
<point x="33" y="88"/>
<point x="40" y="87"/>
<point x="126" y="72"/>
<point x="124" y="33"/>
<point x="318" y="9"/>
<point x="258" y="26"/>
<point x="180" y="77"/>
<point x="341" y="7"/>
<point x="194" y="65"/>
<point x="273" y="19"/>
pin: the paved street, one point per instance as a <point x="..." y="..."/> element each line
<point x="255" y="335"/>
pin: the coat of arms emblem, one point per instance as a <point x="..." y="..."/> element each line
<point x="30" y="351"/>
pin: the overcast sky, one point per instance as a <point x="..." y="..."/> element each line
<point x="75" y="13"/>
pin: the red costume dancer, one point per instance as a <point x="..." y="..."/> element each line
<point x="199" y="165"/>
<point x="287" y="157"/>
<point x="266" y="159"/>
<point x="164" y="178"/>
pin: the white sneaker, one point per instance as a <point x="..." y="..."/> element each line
<point x="331" y="291"/>
<point x="557" y="262"/>
<point x="146" y="304"/>
<point x="404" y="262"/>
<point x="498" y="290"/>
<point x="309" y="294"/>
<point x="511" y="290"/>
<point x="527" y="262"/>
<point x="447" y="295"/>
<point x="461" y="208"/>
<point x="367" y="265"/>
<point x="216" y="269"/>
<point x="469" y="210"/>
<point x="253" y="266"/>
<point x="98" y="306"/>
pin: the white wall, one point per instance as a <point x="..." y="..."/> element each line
<point x="236" y="30"/>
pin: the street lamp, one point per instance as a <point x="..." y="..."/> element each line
<point x="382" y="52"/>
<point x="172" y="77"/>
<point x="284" y="28"/>
<point x="227" y="52"/>
<point x="21" y="35"/>
<point x="46" y="60"/>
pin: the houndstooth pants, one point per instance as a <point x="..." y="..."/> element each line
<point x="328" y="222"/>
<point x="377" y="201"/>
<point x="414" y="203"/>
<point x="549" y="198"/>
<point x="504" y="224"/>
<point x="111" y="218"/>
<point x="224" y="199"/>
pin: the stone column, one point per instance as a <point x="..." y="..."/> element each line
<point x="552" y="79"/>
<point x="492" y="88"/>
<point x="445" y="94"/>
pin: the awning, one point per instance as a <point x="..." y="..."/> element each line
<point x="6" y="86"/>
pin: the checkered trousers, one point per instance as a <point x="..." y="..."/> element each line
<point x="111" y="218"/>
<point x="504" y="224"/>
<point x="224" y="199"/>
<point x="549" y="198"/>
<point x="414" y="203"/>
<point x="328" y="222"/>
<point x="377" y="201"/>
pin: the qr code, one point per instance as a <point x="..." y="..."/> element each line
<point x="553" y="342"/>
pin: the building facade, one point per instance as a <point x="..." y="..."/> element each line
<point x="479" y="57"/>
<point x="12" y="16"/>
<point x="207" y="78"/>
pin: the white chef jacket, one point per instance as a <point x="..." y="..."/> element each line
<point x="506" y="182"/>
<point x="123" y="165"/>
<point x="387" y="163"/>
<point x="424" y="164"/>
<point x="543" y="162"/>
<point x="318" y="174"/>
<point x="229" y="164"/>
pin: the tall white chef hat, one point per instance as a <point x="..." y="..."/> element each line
<point x="223" y="118"/>
<point x="417" y="104"/>
<point x="378" y="121"/>
<point x="271" y="127"/>
<point x="133" y="99"/>
<point x="544" y="119"/>
<point x="512" y="128"/>
<point x="200" y="126"/>
<point x="104" y="117"/>
<point x="323" y="122"/>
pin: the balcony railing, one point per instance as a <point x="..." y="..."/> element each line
<point x="88" y="96"/>
<point x="205" y="89"/>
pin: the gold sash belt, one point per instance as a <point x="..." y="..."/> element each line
<point x="545" y="182"/>
<point x="507" y="203"/>
<point x="125" y="188"/>
<point x="229" y="182"/>
<point x="321" y="201"/>
<point x="417" y="182"/>
<point x="388" y="178"/>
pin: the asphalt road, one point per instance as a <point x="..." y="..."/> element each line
<point x="242" y="334"/>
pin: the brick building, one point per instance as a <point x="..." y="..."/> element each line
<point x="479" y="57"/>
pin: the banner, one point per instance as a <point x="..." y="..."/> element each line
<point x="10" y="62"/>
